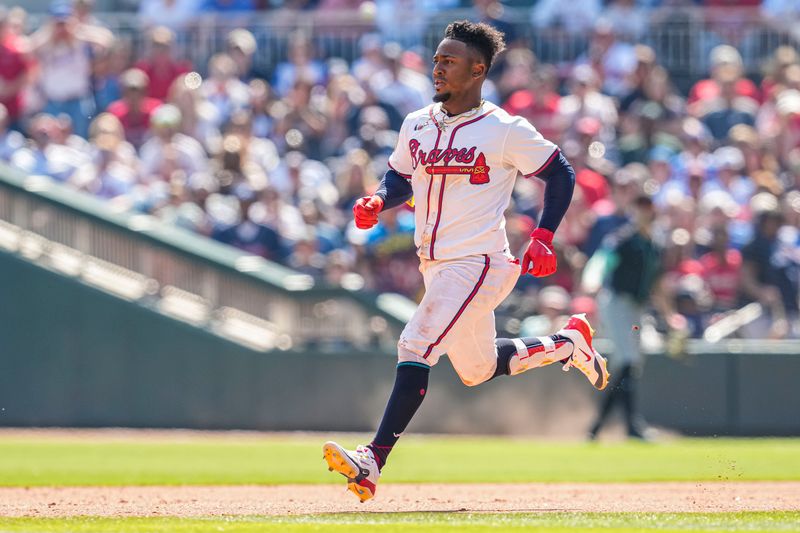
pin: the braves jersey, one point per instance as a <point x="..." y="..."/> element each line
<point x="462" y="172"/>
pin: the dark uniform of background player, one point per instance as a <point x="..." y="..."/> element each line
<point x="632" y="280"/>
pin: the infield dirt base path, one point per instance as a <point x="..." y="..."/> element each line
<point x="188" y="501"/>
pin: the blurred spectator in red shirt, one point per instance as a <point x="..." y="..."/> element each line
<point x="134" y="109"/>
<point x="729" y="107"/>
<point x="161" y="68"/>
<point x="14" y="68"/>
<point x="539" y="102"/>
<point x="724" y="59"/>
<point x="721" y="270"/>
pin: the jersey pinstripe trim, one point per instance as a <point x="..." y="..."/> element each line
<point x="472" y="294"/>
<point x="438" y="214"/>
<point x="546" y="163"/>
<point x="430" y="181"/>
<point x="431" y="250"/>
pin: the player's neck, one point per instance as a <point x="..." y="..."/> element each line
<point x="456" y="106"/>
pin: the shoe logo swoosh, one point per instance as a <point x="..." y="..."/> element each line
<point x="597" y="368"/>
<point x="397" y="435"/>
<point x="588" y="357"/>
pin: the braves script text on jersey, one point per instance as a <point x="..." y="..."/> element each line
<point x="462" y="176"/>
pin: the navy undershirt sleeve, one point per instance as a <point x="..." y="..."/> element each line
<point x="559" y="178"/>
<point x="394" y="189"/>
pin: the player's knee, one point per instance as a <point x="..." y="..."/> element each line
<point x="474" y="379"/>
<point x="407" y="352"/>
<point x="471" y="383"/>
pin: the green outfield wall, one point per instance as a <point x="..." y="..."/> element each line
<point x="74" y="355"/>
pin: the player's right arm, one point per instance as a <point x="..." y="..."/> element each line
<point x="394" y="188"/>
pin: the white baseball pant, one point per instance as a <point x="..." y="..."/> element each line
<point x="456" y="315"/>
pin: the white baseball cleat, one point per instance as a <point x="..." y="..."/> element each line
<point x="584" y="357"/>
<point x="359" y="467"/>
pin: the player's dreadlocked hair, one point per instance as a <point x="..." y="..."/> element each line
<point x="486" y="39"/>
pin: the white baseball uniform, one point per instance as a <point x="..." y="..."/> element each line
<point x="462" y="170"/>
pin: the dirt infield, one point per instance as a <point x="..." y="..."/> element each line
<point x="187" y="501"/>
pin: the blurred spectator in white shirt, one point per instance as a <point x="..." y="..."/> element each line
<point x="586" y="101"/>
<point x="199" y="118"/>
<point x="223" y="89"/>
<point x="65" y="48"/>
<point x="577" y="17"/>
<point x="300" y="66"/>
<point x="627" y="18"/>
<point x="614" y="60"/>
<point x="169" y="152"/>
<point x="174" y="14"/>
<point x="44" y="157"/>
<point x="113" y="171"/>
<point x="371" y="61"/>
<point x="241" y="45"/>
<point x="398" y="86"/>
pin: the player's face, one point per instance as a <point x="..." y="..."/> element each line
<point x="456" y="69"/>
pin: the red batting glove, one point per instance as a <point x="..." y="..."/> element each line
<point x="540" y="259"/>
<point x="365" y="211"/>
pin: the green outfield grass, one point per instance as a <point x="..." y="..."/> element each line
<point x="298" y="459"/>
<point x="439" y="522"/>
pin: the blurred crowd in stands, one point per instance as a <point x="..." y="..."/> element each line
<point x="272" y="161"/>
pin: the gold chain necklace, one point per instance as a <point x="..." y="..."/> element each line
<point x="442" y="123"/>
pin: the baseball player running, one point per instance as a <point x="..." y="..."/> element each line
<point x="458" y="159"/>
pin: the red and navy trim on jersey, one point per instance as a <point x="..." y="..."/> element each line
<point x="464" y="305"/>
<point x="406" y="176"/>
<point x="438" y="213"/>
<point x="550" y="159"/>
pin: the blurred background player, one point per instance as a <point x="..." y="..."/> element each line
<point x="634" y="267"/>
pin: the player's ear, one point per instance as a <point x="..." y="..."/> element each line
<point x="478" y="70"/>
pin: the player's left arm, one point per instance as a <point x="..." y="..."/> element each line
<point x="533" y="155"/>
<point x="559" y="177"/>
